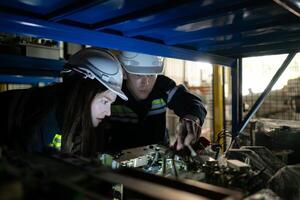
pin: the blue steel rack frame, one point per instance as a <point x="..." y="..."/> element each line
<point x="220" y="31"/>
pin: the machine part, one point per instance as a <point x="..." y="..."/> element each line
<point x="238" y="165"/>
<point x="263" y="194"/>
<point x="107" y="160"/>
<point x="86" y="175"/>
<point x="170" y="163"/>
<point x="281" y="137"/>
<point x="140" y="156"/>
<point x="286" y="182"/>
<point x="256" y="162"/>
<point x="193" y="153"/>
<point x="267" y="156"/>
<point x="174" y="168"/>
<point x="70" y="177"/>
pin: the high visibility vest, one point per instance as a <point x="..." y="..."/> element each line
<point x="158" y="106"/>
<point x="124" y="114"/>
<point x="56" y="142"/>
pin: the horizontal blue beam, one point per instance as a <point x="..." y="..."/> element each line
<point x="44" y="29"/>
<point x="220" y="8"/>
<point x="71" y="9"/>
<point x="233" y="29"/>
<point x="30" y="63"/>
<point x="28" y="79"/>
<point x="153" y="10"/>
<point x="276" y="48"/>
<point x="267" y="52"/>
<point x="261" y="39"/>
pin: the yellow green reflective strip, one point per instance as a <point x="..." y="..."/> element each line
<point x="56" y="142"/>
<point x="158" y="102"/>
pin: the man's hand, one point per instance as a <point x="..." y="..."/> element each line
<point x="188" y="131"/>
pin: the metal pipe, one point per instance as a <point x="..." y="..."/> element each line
<point x="218" y="101"/>
<point x="235" y="97"/>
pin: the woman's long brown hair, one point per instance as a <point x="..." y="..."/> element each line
<point x="79" y="93"/>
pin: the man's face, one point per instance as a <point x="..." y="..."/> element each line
<point x="140" y="86"/>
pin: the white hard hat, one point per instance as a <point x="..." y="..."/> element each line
<point x="142" y="64"/>
<point x="101" y="65"/>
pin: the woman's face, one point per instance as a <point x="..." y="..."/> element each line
<point x="100" y="106"/>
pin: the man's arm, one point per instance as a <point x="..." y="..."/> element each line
<point x="184" y="103"/>
<point x="192" y="113"/>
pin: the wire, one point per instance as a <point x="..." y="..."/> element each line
<point x="221" y="134"/>
<point x="226" y="133"/>
<point x="190" y="120"/>
<point x="233" y="140"/>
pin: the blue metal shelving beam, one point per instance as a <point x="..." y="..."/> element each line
<point x="162" y="15"/>
<point x="270" y="38"/>
<point x="207" y="11"/>
<point x="152" y="10"/>
<point x="29" y="70"/>
<point x="28" y="79"/>
<point x="30" y="63"/>
<point x="262" y="97"/>
<point x="44" y="29"/>
<point x="231" y="29"/>
<point x="72" y="9"/>
<point x="290" y="45"/>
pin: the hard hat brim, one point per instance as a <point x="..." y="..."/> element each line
<point x="117" y="90"/>
<point x="99" y="64"/>
<point x="143" y="70"/>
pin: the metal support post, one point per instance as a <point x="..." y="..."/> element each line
<point x="218" y="108"/>
<point x="236" y="96"/>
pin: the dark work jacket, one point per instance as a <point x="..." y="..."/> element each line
<point x="137" y="123"/>
<point x="28" y="119"/>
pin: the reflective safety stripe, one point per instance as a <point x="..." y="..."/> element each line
<point x="158" y="103"/>
<point x="171" y="93"/>
<point x="123" y="114"/>
<point x="122" y="111"/>
<point x="158" y="106"/>
<point x="56" y="142"/>
<point x="158" y="111"/>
